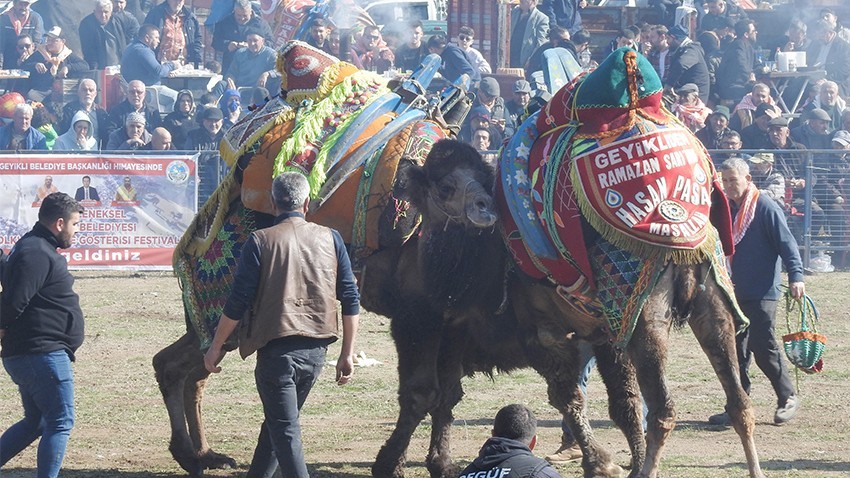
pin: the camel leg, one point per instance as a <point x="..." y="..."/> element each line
<point x="417" y="340"/>
<point x="172" y="366"/>
<point x="449" y="375"/>
<point x="714" y="328"/>
<point x="561" y="372"/>
<point x="648" y="352"/>
<point x="193" y="397"/>
<point x="624" y="404"/>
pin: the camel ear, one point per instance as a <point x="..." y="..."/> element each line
<point x="411" y="183"/>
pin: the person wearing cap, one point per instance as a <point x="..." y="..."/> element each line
<point x="455" y="64"/>
<point x="17" y="21"/>
<point x="716" y="128"/>
<point x="719" y="11"/>
<point x="763" y="243"/>
<point x="231" y="32"/>
<point x="736" y="74"/>
<point x="529" y="30"/>
<point x="767" y="179"/>
<point x="180" y="31"/>
<point x="133" y="135"/>
<point x="828" y="15"/>
<point x="207" y="136"/>
<point x="831" y="53"/>
<point x="815" y="132"/>
<point x="51" y="61"/>
<point x="522" y="97"/>
<point x="489" y="96"/>
<point x="755" y="135"/>
<point x="102" y="37"/>
<point x="251" y="66"/>
<point x="687" y="63"/>
<point x="690" y="110"/>
<point x="742" y="115"/>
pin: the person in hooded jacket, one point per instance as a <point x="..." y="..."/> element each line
<point x="182" y="120"/>
<point x="507" y="454"/>
<point x="80" y="137"/>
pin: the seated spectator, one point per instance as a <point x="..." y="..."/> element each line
<point x="207" y="136"/>
<point x="370" y="51"/>
<point x="319" y="35"/>
<point x="455" y="63"/>
<point x="625" y="37"/>
<point x="829" y="100"/>
<point x="659" y="50"/>
<point x="129" y="23"/>
<point x="718" y="12"/>
<point x="465" y="39"/>
<point x="815" y="133"/>
<point x="742" y="115"/>
<point x="690" y="110"/>
<point x="231" y="32"/>
<point x="831" y="53"/>
<point x="481" y="142"/>
<point x="766" y="178"/>
<point x="180" y="31"/>
<point x="522" y="97"/>
<point x="508" y="452"/>
<point x="102" y="37"/>
<point x="16" y="21"/>
<point x="79" y="137"/>
<point x="51" y="61"/>
<point x="85" y="102"/>
<point x="139" y="61"/>
<point x="230" y="105"/>
<point x="479" y="118"/>
<point x="736" y="74"/>
<point x="713" y="55"/>
<point x="791" y="163"/>
<point x="409" y="55"/>
<point x="716" y="128"/>
<point x="558" y="37"/>
<point x="19" y="135"/>
<point x="182" y="120"/>
<point x="529" y="30"/>
<point x="259" y="97"/>
<point x="133" y="135"/>
<point x="25" y="47"/>
<point x="133" y="103"/>
<point x="828" y="15"/>
<point x="489" y="96"/>
<point x="755" y="135"/>
<point x="731" y="141"/>
<point x="43" y="121"/>
<point x="251" y="66"/>
<point x="687" y="63"/>
<point x="160" y="141"/>
<point x="845" y="120"/>
<point x="795" y="38"/>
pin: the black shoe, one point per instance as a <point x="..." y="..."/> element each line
<point x="720" y="419"/>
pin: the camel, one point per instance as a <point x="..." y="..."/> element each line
<point x="452" y="190"/>
<point x="435" y="349"/>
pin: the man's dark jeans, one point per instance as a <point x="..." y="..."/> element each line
<point x="286" y="370"/>
<point x="758" y="341"/>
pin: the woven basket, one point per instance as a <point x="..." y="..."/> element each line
<point x="803" y="348"/>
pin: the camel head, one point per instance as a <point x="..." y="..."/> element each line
<point x="455" y="185"/>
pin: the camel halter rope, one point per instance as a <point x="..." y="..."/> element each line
<point x="449" y="216"/>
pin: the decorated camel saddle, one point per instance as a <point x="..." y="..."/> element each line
<point x="348" y="131"/>
<point x="603" y="187"/>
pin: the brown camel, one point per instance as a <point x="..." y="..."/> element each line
<point x="452" y="191"/>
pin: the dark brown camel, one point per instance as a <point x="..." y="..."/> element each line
<point x="452" y="191"/>
<point x="435" y="351"/>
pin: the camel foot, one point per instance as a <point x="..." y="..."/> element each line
<point x="450" y="470"/>
<point x="187" y="459"/>
<point x="211" y="460"/>
<point x="383" y="468"/>
<point x="608" y="471"/>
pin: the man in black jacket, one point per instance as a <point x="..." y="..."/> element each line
<point x="41" y="326"/>
<point x="508" y="453"/>
<point x="832" y="53"/>
<point x="735" y="75"/>
<point x="102" y="37"/>
<point x="687" y="63"/>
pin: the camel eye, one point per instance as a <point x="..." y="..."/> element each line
<point x="445" y="188"/>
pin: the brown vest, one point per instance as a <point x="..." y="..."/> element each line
<point x="297" y="290"/>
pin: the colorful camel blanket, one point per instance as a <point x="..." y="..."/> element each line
<point x="611" y="158"/>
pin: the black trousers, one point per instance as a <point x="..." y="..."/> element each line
<point x="758" y="341"/>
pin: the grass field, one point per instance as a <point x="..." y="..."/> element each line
<point x="122" y="427"/>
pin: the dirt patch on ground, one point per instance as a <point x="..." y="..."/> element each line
<point x="122" y="428"/>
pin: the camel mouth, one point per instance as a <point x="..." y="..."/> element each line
<point x="480" y="213"/>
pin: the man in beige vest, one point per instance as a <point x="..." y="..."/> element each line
<point x="283" y="303"/>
